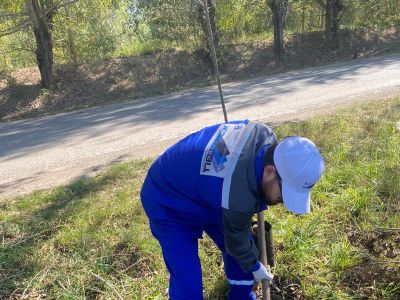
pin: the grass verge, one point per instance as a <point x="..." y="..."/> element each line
<point x="75" y="241"/>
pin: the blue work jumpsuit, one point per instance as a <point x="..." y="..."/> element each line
<point x="208" y="182"/>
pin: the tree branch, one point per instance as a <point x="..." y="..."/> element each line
<point x="12" y="15"/>
<point x="68" y="292"/>
<point x="15" y="28"/>
<point x="107" y="283"/>
<point x="28" y="23"/>
<point x="17" y="49"/>
<point x="58" y="6"/>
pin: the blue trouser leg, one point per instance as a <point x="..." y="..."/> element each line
<point x="179" y="244"/>
<point x="241" y="283"/>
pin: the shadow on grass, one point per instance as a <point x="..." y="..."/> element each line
<point x="19" y="246"/>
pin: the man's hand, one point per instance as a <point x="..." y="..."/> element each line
<point x="260" y="272"/>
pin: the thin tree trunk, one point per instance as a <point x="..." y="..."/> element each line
<point x="333" y="8"/>
<point x="42" y="27"/>
<point x="71" y="39"/>
<point x="328" y="23"/>
<point x="321" y="18"/>
<point x="279" y="9"/>
<point x="203" y="23"/>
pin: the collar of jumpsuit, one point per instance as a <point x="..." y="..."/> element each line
<point x="259" y="167"/>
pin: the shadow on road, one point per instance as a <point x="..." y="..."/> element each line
<point x="18" y="138"/>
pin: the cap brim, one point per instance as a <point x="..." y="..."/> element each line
<point x="295" y="202"/>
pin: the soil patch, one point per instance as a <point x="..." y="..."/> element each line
<point x="380" y="244"/>
<point x="380" y="267"/>
<point x="129" y="261"/>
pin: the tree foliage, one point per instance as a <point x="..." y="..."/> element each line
<point x="96" y="29"/>
<point x="38" y="16"/>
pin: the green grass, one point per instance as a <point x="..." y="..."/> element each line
<point x="54" y="241"/>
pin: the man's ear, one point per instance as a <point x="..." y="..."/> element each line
<point x="269" y="173"/>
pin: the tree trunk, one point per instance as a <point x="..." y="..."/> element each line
<point x="42" y="28"/>
<point x="333" y="8"/>
<point x="72" y="47"/>
<point x="279" y="10"/>
<point x="203" y="22"/>
<point x="71" y="40"/>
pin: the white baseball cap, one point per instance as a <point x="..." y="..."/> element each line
<point x="300" y="165"/>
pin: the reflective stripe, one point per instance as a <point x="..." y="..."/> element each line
<point x="226" y="186"/>
<point x="240" y="282"/>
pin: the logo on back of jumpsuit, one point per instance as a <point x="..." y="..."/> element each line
<point x="217" y="153"/>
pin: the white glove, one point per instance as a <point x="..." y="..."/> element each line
<point x="260" y="272"/>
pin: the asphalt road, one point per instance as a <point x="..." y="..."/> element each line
<point x="44" y="152"/>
